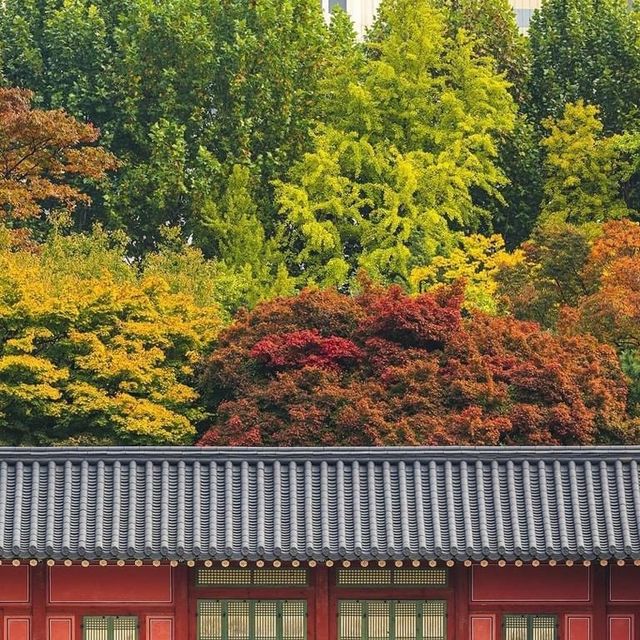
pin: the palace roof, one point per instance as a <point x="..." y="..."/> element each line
<point x="312" y="503"/>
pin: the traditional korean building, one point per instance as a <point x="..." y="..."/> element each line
<point x="320" y="544"/>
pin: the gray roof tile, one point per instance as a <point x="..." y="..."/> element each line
<point x="432" y="503"/>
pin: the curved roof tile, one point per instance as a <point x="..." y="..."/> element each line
<point x="356" y="503"/>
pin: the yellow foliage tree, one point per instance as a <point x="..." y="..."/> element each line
<point x="474" y="259"/>
<point x="94" y="350"/>
<point x="585" y="169"/>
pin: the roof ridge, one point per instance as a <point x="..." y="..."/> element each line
<point x="295" y="454"/>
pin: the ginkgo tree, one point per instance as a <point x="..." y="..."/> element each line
<point x="409" y="134"/>
<point x="95" y="351"/>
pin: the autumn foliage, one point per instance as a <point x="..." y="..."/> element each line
<point x="95" y="351"/>
<point x="383" y="367"/>
<point x="40" y="153"/>
<point x="611" y="273"/>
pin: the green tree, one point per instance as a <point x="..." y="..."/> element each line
<point x="589" y="50"/>
<point x="584" y="169"/>
<point x="183" y="90"/>
<point x="493" y="24"/>
<point x="411" y="134"/>
<point x="546" y="274"/>
<point x="21" y="56"/>
<point x="521" y="158"/>
<point x="78" y="62"/>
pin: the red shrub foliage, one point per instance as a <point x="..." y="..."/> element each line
<point x="384" y="368"/>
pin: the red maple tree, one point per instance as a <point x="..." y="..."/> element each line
<point x="385" y="368"/>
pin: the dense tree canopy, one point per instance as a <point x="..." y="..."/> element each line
<point x="43" y="156"/>
<point x="235" y="153"/>
<point x="184" y="90"/>
<point x="582" y="281"/>
<point x="411" y="133"/>
<point x="92" y="351"/>
<point x="589" y="50"/>
<point x="385" y="368"/>
<point x="584" y="170"/>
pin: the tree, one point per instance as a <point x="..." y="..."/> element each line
<point x="476" y="260"/>
<point x="94" y="352"/>
<point x="410" y="135"/>
<point x="493" y="24"/>
<point x="547" y="274"/>
<point x="583" y="281"/>
<point x="610" y="309"/>
<point x="184" y="91"/>
<point x="44" y="156"/>
<point x="232" y="285"/>
<point x="382" y="367"/>
<point x="585" y="170"/>
<point x="514" y="215"/>
<point x="586" y="50"/>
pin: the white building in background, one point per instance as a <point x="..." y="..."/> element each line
<point x="363" y="12"/>
<point x="524" y="10"/>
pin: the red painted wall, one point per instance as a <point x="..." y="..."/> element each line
<point x="110" y="584"/>
<point x="14" y="584"/>
<point x="557" y="584"/>
<point x="578" y="627"/>
<point x="17" y="628"/>
<point x="61" y="628"/>
<point x="159" y="628"/>
<point x="483" y="627"/>
<point x="621" y="627"/>
<point x="42" y="603"/>
<point x="624" y="585"/>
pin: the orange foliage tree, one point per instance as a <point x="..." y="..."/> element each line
<point x="386" y="368"/>
<point x="42" y="155"/>
<point x="611" y="311"/>
<point x="583" y="281"/>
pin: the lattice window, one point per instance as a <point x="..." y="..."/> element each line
<point x="392" y="620"/>
<point x="530" y="627"/>
<point x="239" y="577"/>
<point x="110" y="628"/>
<point x="252" y="620"/>
<point x="432" y="577"/>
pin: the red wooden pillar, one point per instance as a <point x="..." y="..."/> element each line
<point x="39" y="602"/>
<point x="599" y="576"/>
<point x="181" y="588"/>
<point x="322" y="622"/>
<point x="460" y="576"/>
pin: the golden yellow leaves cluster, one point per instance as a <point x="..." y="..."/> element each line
<point x="93" y="350"/>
